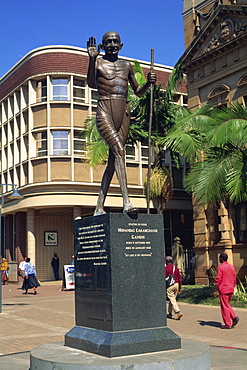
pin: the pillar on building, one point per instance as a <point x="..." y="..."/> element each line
<point x="225" y="229"/>
<point x="77" y="213"/>
<point x="201" y="247"/>
<point x="31" y="242"/>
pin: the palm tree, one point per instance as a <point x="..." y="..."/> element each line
<point x="213" y="141"/>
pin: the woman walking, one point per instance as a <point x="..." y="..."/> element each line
<point x="4" y="271"/>
<point x="30" y="281"/>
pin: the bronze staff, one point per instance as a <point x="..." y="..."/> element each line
<point x="149" y="133"/>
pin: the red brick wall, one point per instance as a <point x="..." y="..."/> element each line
<point x="45" y="63"/>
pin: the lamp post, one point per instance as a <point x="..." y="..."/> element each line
<point x="15" y="195"/>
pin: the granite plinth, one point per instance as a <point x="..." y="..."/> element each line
<point x="193" y="355"/>
<point x="120" y="295"/>
<point x="123" y="343"/>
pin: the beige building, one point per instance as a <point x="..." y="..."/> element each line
<point x="44" y="102"/>
<point x="215" y="61"/>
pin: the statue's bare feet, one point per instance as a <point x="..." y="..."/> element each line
<point x="128" y="208"/>
<point x="99" y="212"/>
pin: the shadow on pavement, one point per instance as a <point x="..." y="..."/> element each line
<point x="16" y="304"/>
<point x="209" y="323"/>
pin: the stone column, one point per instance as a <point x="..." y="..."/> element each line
<point x="31" y="250"/>
<point x="225" y="228"/>
<point x="77" y="213"/>
<point x="201" y="247"/>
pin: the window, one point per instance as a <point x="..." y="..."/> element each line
<point x="41" y="91"/>
<point x="144" y="153"/>
<point x="41" y="144"/>
<point x="79" y="91"/>
<point x="60" y="89"/>
<point x="79" y="144"/>
<point x="130" y="151"/>
<point x="176" y="98"/>
<point x="185" y="101"/>
<point x="60" y="142"/>
<point x="219" y="95"/>
<point x="177" y="176"/>
<point x="242" y="222"/>
<point x="94" y="96"/>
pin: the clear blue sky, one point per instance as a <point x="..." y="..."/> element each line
<point x="142" y="25"/>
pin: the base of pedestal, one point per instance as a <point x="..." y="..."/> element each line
<point x="122" y="343"/>
<point x="193" y="355"/>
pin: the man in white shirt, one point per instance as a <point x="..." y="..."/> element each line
<point x="22" y="267"/>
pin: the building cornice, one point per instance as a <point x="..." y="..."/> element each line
<point x="217" y="45"/>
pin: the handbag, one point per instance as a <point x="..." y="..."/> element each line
<point x="170" y="280"/>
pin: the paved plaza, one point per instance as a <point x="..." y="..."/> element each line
<point x="29" y="321"/>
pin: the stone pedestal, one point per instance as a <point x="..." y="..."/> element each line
<point x="120" y="297"/>
<point x="193" y="355"/>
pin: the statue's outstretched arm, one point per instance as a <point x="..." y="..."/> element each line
<point x="93" y="53"/>
<point x="140" y="90"/>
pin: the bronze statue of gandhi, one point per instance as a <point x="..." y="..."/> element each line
<point x="111" y="76"/>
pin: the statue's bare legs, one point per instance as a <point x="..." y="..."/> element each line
<point x="115" y="163"/>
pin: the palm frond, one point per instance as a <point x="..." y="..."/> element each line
<point x="209" y="187"/>
<point x="232" y="130"/>
<point x="175" y="77"/>
<point x="97" y="152"/>
<point x="236" y="179"/>
<point x="90" y="131"/>
<point x="139" y="74"/>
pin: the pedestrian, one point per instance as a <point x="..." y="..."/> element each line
<point x="4" y="271"/>
<point x="55" y="266"/>
<point x="21" y="268"/>
<point x="30" y="281"/>
<point x="224" y="283"/>
<point x="73" y="260"/>
<point x="173" y="290"/>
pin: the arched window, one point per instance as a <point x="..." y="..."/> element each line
<point x="242" y="86"/>
<point x="218" y="96"/>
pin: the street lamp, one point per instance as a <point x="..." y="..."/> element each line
<point x="15" y="195"/>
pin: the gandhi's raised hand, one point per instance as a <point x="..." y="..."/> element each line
<point x="91" y="47"/>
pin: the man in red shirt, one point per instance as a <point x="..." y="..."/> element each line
<point x="173" y="290"/>
<point x="224" y="283"/>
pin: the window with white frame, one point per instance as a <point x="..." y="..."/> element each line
<point x="41" y="91"/>
<point x="94" y="96"/>
<point x="185" y="100"/>
<point x="41" y="144"/>
<point x="60" y="142"/>
<point x="130" y="152"/>
<point x="79" y="90"/>
<point x="59" y="89"/>
<point x="144" y="153"/>
<point x="79" y="144"/>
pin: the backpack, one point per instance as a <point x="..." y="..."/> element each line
<point x="170" y="280"/>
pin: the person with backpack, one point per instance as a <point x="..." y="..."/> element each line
<point x="173" y="287"/>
